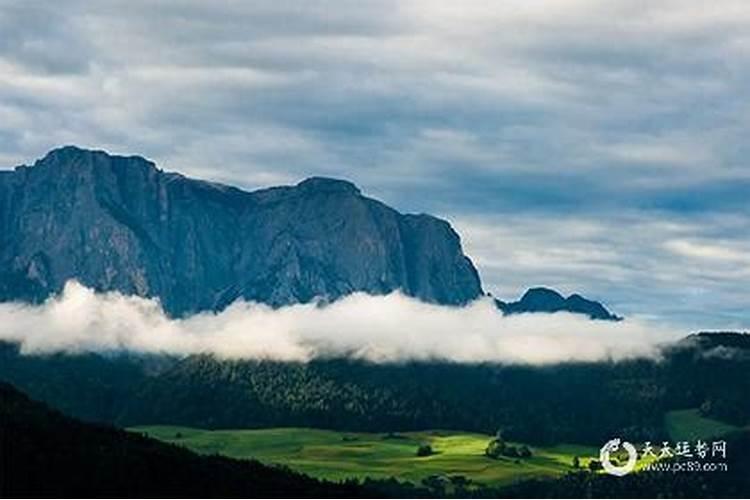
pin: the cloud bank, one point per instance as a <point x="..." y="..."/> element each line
<point x="378" y="329"/>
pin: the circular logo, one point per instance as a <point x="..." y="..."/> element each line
<point x="612" y="446"/>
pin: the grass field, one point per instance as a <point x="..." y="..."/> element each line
<point x="337" y="455"/>
<point x="689" y="425"/>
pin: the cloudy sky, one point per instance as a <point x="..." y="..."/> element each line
<point x="596" y="147"/>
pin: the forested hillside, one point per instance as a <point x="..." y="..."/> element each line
<point x="575" y="402"/>
<point x="46" y="454"/>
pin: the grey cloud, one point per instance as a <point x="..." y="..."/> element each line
<point x="41" y="39"/>
<point x="694" y="270"/>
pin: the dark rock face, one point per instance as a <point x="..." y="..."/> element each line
<point x="119" y="223"/>
<point x="549" y="301"/>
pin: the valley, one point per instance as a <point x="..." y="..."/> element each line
<point x="455" y="457"/>
<point x="49" y="454"/>
<point x="338" y="456"/>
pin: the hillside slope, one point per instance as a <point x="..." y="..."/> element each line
<point x="45" y="454"/>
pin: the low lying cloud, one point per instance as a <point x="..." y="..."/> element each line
<point x="379" y="329"/>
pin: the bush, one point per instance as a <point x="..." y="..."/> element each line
<point x="424" y="450"/>
<point x="595" y="465"/>
<point x="495" y="448"/>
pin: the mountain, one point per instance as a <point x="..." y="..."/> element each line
<point x="46" y="454"/>
<point x="120" y="223"/>
<point x="542" y="299"/>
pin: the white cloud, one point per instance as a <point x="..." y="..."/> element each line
<point x="378" y="329"/>
<point x="709" y="251"/>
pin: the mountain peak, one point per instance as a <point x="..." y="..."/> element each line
<point x="72" y="155"/>
<point x="541" y="295"/>
<point x="329" y="185"/>
<point x="547" y="300"/>
<point x="68" y="150"/>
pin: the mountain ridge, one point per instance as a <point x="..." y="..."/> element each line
<point x="547" y="300"/>
<point x="121" y="223"/>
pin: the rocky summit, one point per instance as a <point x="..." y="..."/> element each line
<point x="546" y="300"/>
<point x="120" y="223"/>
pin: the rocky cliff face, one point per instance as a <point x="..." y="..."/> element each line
<point x="120" y="223"/>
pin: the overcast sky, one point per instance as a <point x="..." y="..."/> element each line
<point x="593" y="146"/>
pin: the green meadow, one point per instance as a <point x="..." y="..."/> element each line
<point x="341" y="455"/>
<point x="689" y="425"/>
